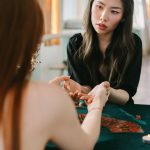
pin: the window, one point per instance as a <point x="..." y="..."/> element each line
<point x="148" y="8"/>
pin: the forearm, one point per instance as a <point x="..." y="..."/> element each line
<point x="91" y="125"/>
<point x="118" y="96"/>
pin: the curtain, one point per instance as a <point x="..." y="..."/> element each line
<point x="51" y="11"/>
<point x="146" y="9"/>
<point x="141" y="23"/>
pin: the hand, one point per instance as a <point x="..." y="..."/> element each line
<point x="98" y="96"/>
<point x="59" y="80"/>
<point x="96" y="90"/>
<point x="86" y="97"/>
<point x="73" y="88"/>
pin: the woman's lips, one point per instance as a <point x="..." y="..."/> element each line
<point x="101" y="26"/>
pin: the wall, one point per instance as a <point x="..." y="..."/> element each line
<point x="73" y="9"/>
<point x="54" y="55"/>
<point x="50" y="56"/>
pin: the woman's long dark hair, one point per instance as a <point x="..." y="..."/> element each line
<point x="21" y="29"/>
<point x="122" y="46"/>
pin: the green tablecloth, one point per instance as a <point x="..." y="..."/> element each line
<point x="121" y="141"/>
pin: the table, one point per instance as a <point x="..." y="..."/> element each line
<point x="121" y="141"/>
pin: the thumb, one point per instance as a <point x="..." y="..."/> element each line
<point x="59" y="79"/>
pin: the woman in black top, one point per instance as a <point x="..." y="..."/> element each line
<point x="107" y="50"/>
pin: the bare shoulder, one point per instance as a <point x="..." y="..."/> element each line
<point x="44" y="104"/>
<point x="43" y="91"/>
<point x="45" y="96"/>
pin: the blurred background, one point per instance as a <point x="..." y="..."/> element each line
<point x="63" y="18"/>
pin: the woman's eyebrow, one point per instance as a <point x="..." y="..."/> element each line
<point x="115" y="7"/>
<point x="98" y="1"/>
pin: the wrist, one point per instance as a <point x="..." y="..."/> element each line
<point x="99" y="109"/>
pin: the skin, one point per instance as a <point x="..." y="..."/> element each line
<point x="109" y="14"/>
<point x="47" y="115"/>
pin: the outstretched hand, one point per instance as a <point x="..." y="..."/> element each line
<point x="73" y="88"/>
<point x="98" y="95"/>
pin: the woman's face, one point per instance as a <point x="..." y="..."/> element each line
<point x="106" y="15"/>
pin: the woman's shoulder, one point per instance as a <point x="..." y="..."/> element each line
<point x="76" y="37"/>
<point x="137" y="39"/>
<point x="44" y="102"/>
<point x="137" y="45"/>
<point x="39" y="90"/>
<point x="75" y="41"/>
<point x="43" y="107"/>
<point x="42" y="92"/>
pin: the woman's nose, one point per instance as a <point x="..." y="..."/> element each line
<point x="104" y="16"/>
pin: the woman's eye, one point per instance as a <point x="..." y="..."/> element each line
<point x="99" y="6"/>
<point x="114" y="12"/>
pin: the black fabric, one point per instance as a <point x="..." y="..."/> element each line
<point x="78" y="70"/>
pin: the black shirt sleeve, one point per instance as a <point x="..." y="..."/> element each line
<point x="76" y="68"/>
<point x="132" y="75"/>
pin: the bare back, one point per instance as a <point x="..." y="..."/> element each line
<point x="44" y="107"/>
<point x="48" y="113"/>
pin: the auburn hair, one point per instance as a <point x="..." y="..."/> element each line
<point x="21" y="29"/>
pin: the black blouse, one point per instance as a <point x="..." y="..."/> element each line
<point x="79" y="71"/>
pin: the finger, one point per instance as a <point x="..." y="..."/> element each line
<point x="66" y="78"/>
<point x="86" y="97"/>
<point x="108" y="92"/>
<point x="90" y="101"/>
<point x="83" y="94"/>
<point x="67" y="86"/>
<point x="106" y="84"/>
<point x="62" y="78"/>
<point x="75" y="94"/>
<point x="71" y="94"/>
<point x="59" y="79"/>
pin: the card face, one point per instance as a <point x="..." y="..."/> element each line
<point x="120" y="126"/>
<point x="81" y="117"/>
<point x="116" y="125"/>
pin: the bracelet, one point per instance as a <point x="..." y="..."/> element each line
<point x="94" y="108"/>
